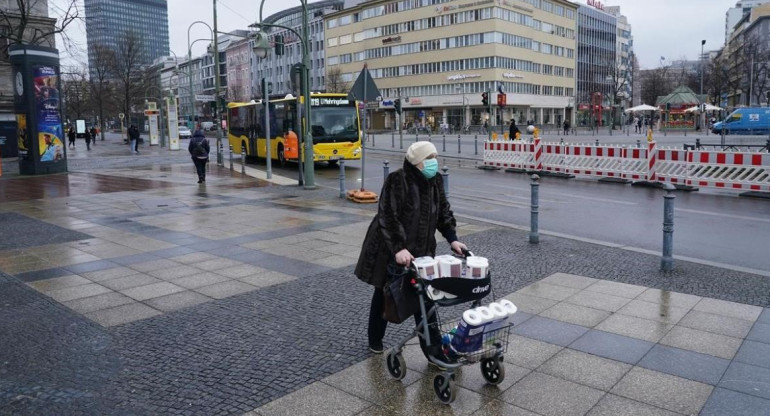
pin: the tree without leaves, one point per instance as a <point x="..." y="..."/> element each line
<point x="127" y="71"/>
<point x="102" y="61"/>
<point x="28" y="22"/>
<point x="334" y="81"/>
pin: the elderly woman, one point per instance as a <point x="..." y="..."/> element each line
<point x="412" y="207"/>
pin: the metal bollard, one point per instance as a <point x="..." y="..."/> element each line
<point x="667" y="261"/>
<point x="534" y="237"/>
<point x="638" y="143"/>
<point x="445" y="177"/>
<point x="220" y="155"/>
<point x="475" y="144"/>
<point x="597" y="142"/>
<point x="416" y="136"/>
<point x="243" y="161"/>
<point x="385" y="169"/>
<point x="231" y="157"/>
<point x="372" y="136"/>
<point x="458" y="144"/>
<point x="393" y="139"/>
<point x="443" y="142"/>
<point x="342" y="178"/>
<point x="697" y="144"/>
<point x="561" y="141"/>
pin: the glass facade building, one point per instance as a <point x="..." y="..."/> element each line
<point x="109" y="22"/>
<point x="596" y="60"/>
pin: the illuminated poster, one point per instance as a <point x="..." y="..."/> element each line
<point x="24" y="144"/>
<point x="48" y="119"/>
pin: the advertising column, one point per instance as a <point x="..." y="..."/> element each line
<point x="173" y="123"/>
<point x="152" y="121"/>
<point x="37" y="106"/>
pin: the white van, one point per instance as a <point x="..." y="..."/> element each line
<point x="207" y="125"/>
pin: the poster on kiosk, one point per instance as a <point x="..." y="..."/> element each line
<point x="37" y="105"/>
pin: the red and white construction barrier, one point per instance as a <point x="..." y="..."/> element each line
<point x="719" y="169"/>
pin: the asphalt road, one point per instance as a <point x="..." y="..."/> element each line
<point x="710" y="225"/>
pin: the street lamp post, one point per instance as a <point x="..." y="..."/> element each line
<point x="189" y="61"/>
<point x="702" y="116"/>
<point x="260" y="49"/>
<point x="217" y="86"/>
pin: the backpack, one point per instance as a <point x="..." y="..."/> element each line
<point x="198" y="149"/>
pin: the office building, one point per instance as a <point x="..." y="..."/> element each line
<point x="278" y="68"/>
<point x="735" y="14"/>
<point x="623" y="72"/>
<point x="438" y="57"/>
<point x="110" y="23"/>
<point x="596" y="62"/>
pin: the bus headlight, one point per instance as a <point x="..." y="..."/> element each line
<point x="357" y="151"/>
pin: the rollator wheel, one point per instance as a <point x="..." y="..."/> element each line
<point x="396" y="365"/>
<point x="493" y="370"/>
<point x="447" y="394"/>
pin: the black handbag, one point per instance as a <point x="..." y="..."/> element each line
<point x="399" y="297"/>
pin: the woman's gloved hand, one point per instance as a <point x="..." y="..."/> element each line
<point x="404" y="257"/>
<point x="458" y="247"/>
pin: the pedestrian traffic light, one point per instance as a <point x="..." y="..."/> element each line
<point x="278" y="45"/>
<point x="397" y="105"/>
<point x="485" y="99"/>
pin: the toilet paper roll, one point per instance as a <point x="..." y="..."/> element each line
<point x="472" y="318"/>
<point x="434" y="293"/>
<point x="509" y="307"/>
<point x="498" y="310"/>
<point x="485" y="313"/>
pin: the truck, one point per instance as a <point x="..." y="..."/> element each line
<point x="745" y="121"/>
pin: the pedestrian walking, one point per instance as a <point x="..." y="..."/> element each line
<point x="639" y="125"/>
<point x="565" y="125"/>
<point x="412" y="207"/>
<point x="133" y="136"/>
<point x="87" y="135"/>
<point x="93" y="132"/>
<point x="71" y="136"/>
<point x="513" y="130"/>
<point x="199" y="151"/>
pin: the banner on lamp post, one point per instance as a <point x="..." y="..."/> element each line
<point x="173" y="124"/>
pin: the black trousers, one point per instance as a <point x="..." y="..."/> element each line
<point x="200" y="167"/>
<point x="377" y="325"/>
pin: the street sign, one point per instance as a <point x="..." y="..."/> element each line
<point x="201" y="97"/>
<point x="151" y="112"/>
<point x="121" y="116"/>
<point x="364" y="89"/>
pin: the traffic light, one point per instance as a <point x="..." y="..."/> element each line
<point x="703" y="108"/>
<point x="397" y="105"/>
<point x="278" y="45"/>
<point x="485" y="99"/>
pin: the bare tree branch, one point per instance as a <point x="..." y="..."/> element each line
<point x="334" y="81"/>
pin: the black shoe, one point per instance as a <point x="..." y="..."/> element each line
<point x="377" y="349"/>
<point x="200" y="181"/>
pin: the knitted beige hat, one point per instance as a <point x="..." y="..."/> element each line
<point x="419" y="151"/>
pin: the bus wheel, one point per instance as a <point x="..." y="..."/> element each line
<point x="281" y="157"/>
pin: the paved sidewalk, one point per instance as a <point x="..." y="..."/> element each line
<point x="126" y="288"/>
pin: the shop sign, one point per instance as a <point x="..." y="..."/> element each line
<point x="448" y="8"/>
<point x="391" y="39"/>
<point x="460" y="77"/>
<point x="596" y="3"/>
<point x="511" y="75"/>
<point x="415" y="101"/>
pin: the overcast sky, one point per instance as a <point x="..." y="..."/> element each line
<point x="661" y="28"/>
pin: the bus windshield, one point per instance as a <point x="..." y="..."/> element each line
<point x="334" y="124"/>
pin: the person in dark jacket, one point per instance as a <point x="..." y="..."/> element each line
<point x="412" y="207"/>
<point x="513" y="130"/>
<point x="71" y="136"/>
<point x="133" y="135"/>
<point x="199" y="151"/>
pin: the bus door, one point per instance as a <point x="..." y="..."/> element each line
<point x="253" y="129"/>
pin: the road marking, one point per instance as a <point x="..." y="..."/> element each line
<point x="620" y="246"/>
<point x="719" y="214"/>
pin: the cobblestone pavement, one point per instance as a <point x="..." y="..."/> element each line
<point x="224" y="298"/>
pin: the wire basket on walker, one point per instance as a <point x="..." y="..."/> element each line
<point x="480" y="335"/>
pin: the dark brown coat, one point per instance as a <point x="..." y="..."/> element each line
<point x="410" y="211"/>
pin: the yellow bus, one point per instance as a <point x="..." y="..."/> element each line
<point x="335" y="125"/>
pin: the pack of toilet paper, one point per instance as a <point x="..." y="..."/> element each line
<point x="478" y="327"/>
<point x="446" y="266"/>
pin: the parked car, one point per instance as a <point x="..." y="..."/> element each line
<point x="184" y="132"/>
<point x="207" y="125"/>
<point x="745" y="121"/>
